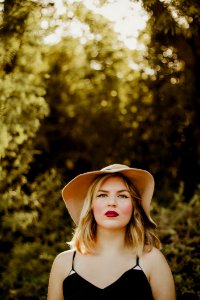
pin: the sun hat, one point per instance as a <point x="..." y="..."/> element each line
<point x="75" y="191"/>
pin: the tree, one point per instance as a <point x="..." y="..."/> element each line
<point x="90" y="94"/>
<point x="173" y="54"/>
<point x="22" y="107"/>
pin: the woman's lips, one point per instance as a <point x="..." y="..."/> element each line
<point x="111" y="214"/>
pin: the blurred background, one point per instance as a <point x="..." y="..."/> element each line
<point x="84" y="84"/>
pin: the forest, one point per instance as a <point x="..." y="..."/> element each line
<point x="83" y="102"/>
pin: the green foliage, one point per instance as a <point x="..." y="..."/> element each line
<point x="173" y="55"/>
<point x="37" y="232"/>
<point x="180" y="235"/>
<point x="30" y="264"/>
<point x="22" y="94"/>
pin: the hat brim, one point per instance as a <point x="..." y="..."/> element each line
<point x="75" y="191"/>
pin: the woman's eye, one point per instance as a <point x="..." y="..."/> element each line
<point x="101" y="195"/>
<point x="123" y="196"/>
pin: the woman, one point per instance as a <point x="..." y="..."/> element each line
<point x="114" y="250"/>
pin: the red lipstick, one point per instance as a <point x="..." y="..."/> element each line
<point x="111" y="214"/>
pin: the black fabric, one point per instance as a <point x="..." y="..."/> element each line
<point x="133" y="284"/>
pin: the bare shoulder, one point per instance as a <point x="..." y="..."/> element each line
<point x="64" y="256"/>
<point x="154" y="261"/>
<point x="60" y="269"/>
<point x="63" y="262"/>
<point x="159" y="274"/>
<point x="154" y="255"/>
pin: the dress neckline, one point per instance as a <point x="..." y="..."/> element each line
<point x="110" y="284"/>
<point x="136" y="267"/>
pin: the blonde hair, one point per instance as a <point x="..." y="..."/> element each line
<point x="140" y="231"/>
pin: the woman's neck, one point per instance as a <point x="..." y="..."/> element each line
<point x="111" y="241"/>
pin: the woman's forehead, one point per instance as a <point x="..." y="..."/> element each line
<point x="114" y="180"/>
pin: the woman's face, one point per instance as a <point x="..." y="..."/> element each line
<point x="112" y="204"/>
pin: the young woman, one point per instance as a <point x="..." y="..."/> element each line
<point x="114" y="250"/>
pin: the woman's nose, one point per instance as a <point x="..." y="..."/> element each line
<point x="112" y="200"/>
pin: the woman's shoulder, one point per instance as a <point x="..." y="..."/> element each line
<point x="152" y="259"/>
<point x="159" y="274"/>
<point x="63" y="261"/>
<point x="64" y="257"/>
<point x="153" y="255"/>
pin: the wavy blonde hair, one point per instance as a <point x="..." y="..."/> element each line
<point x="140" y="231"/>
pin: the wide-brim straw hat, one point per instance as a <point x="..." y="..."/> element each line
<point x="75" y="191"/>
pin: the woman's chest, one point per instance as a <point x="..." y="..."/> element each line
<point x="132" y="282"/>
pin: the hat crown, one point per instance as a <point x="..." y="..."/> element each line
<point x="115" y="168"/>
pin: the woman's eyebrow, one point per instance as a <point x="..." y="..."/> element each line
<point x="105" y="191"/>
<point x="125" y="190"/>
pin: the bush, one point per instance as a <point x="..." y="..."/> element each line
<point x="179" y="232"/>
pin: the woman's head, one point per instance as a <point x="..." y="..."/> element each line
<point x="74" y="193"/>
<point x="113" y="202"/>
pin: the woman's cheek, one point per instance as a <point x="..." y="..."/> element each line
<point x="127" y="209"/>
<point x="97" y="207"/>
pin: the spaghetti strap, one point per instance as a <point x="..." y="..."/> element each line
<point x="73" y="260"/>
<point x="137" y="261"/>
